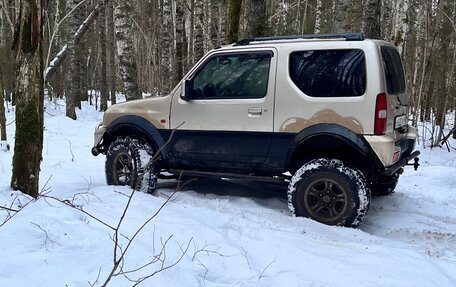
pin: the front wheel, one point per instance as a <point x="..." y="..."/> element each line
<point x="127" y="163"/>
<point x="329" y="192"/>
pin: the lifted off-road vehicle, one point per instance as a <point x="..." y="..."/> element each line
<point x="327" y="113"/>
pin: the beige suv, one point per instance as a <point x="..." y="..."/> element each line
<point x="326" y="113"/>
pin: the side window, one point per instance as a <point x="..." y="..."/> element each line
<point x="233" y="76"/>
<point x="329" y="73"/>
<point x="394" y="72"/>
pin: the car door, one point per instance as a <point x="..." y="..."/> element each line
<point x="224" y="119"/>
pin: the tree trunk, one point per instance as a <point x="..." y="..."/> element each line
<point x="2" y="89"/>
<point x="318" y="11"/>
<point x="199" y="33"/>
<point x="29" y="93"/>
<point x="400" y="24"/>
<point x="191" y="43"/>
<point x="6" y="56"/>
<point x="103" y="71"/>
<point x="73" y="95"/>
<point x="214" y="28"/>
<point x="111" y="51"/>
<point x="165" y="48"/>
<point x="124" y="36"/>
<point x="179" y="59"/>
<point x="3" y="136"/>
<point x="371" y="19"/>
<point x="256" y="21"/>
<point x="234" y="15"/>
<point x="341" y="18"/>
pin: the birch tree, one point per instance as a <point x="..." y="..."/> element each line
<point x="180" y="47"/>
<point x="318" y="11"/>
<point x="199" y="33"/>
<point x="165" y="47"/>
<point x="371" y="19"/>
<point x="29" y="93"/>
<point x="125" y="49"/>
<point x="73" y="96"/>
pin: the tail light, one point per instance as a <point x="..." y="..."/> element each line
<point x="380" y="114"/>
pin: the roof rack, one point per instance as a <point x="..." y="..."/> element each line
<point x="346" y="36"/>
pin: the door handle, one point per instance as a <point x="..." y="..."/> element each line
<point x="255" y="112"/>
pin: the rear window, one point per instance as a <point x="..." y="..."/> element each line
<point x="394" y="73"/>
<point x="329" y="73"/>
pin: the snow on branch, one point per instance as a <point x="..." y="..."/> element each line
<point x="58" y="59"/>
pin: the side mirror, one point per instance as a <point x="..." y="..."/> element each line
<point x="186" y="94"/>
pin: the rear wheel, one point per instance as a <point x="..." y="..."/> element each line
<point x="385" y="185"/>
<point x="127" y="163"/>
<point x="329" y="192"/>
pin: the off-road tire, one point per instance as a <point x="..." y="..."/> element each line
<point x="329" y="192"/>
<point x="127" y="163"/>
<point x="385" y="185"/>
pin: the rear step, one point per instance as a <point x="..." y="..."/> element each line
<point x="195" y="173"/>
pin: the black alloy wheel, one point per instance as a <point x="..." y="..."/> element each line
<point x="329" y="192"/>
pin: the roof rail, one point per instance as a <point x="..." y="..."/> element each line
<point x="346" y="36"/>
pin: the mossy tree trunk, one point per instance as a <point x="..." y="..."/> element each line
<point x="257" y="20"/>
<point x="234" y="15"/>
<point x="29" y="92"/>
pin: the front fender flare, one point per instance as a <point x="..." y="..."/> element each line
<point x="136" y="125"/>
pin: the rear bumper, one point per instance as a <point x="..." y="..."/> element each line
<point x="404" y="161"/>
<point x="391" y="149"/>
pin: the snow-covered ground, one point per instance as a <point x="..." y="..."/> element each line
<point x="234" y="233"/>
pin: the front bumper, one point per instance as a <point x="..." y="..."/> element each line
<point x="100" y="130"/>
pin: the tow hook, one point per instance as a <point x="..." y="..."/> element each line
<point x="416" y="163"/>
<point x="95" y="151"/>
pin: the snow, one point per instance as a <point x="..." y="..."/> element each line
<point x="237" y="233"/>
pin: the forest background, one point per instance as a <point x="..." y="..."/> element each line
<point x="144" y="47"/>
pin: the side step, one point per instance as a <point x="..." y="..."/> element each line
<point x="195" y="173"/>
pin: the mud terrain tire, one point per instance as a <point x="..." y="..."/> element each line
<point x="385" y="186"/>
<point x="127" y="164"/>
<point x="329" y="192"/>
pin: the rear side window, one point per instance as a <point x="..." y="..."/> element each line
<point x="329" y="73"/>
<point x="394" y="73"/>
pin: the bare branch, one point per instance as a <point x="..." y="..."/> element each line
<point x="264" y="270"/>
<point x="70" y="204"/>
<point x="47" y="239"/>
<point x="9" y="209"/>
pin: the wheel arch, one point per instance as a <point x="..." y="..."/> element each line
<point x="330" y="140"/>
<point x="136" y="127"/>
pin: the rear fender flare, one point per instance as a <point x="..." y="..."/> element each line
<point x="356" y="141"/>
